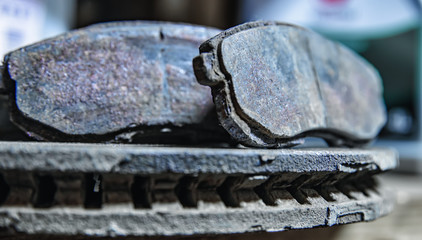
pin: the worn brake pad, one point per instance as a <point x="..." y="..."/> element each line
<point x="273" y="83"/>
<point x="99" y="82"/>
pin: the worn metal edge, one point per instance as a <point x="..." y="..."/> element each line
<point x="124" y="221"/>
<point x="145" y="159"/>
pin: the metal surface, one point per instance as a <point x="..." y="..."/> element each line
<point x="274" y="82"/>
<point x="136" y="190"/>
<point x="100" y="82"/>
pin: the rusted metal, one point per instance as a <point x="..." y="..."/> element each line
<point x="102" y="82"/>
<point x="273" y="83"/>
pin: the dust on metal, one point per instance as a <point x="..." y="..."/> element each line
<point x="273" y="83"/>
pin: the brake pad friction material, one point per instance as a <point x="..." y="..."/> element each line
<point x="110" y="78"/>
<point x="273" y="83"/>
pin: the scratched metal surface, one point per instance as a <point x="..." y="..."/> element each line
<point x="108" y="78"/>
<point x="275" y="82"/>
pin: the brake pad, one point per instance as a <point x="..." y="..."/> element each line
<point x="99" y="82"/>
<point x="274" y="83"/>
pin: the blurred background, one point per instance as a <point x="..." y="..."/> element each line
<point x="385" y="32"/>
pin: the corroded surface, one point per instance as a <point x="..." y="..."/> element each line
<point x="126" y="190"/>
<point x="109" y="78"/>
<point x="275" y="82"/>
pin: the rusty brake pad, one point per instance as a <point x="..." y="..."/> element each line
<point x="274" y="83"/>
<point x="110" y="80"/>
